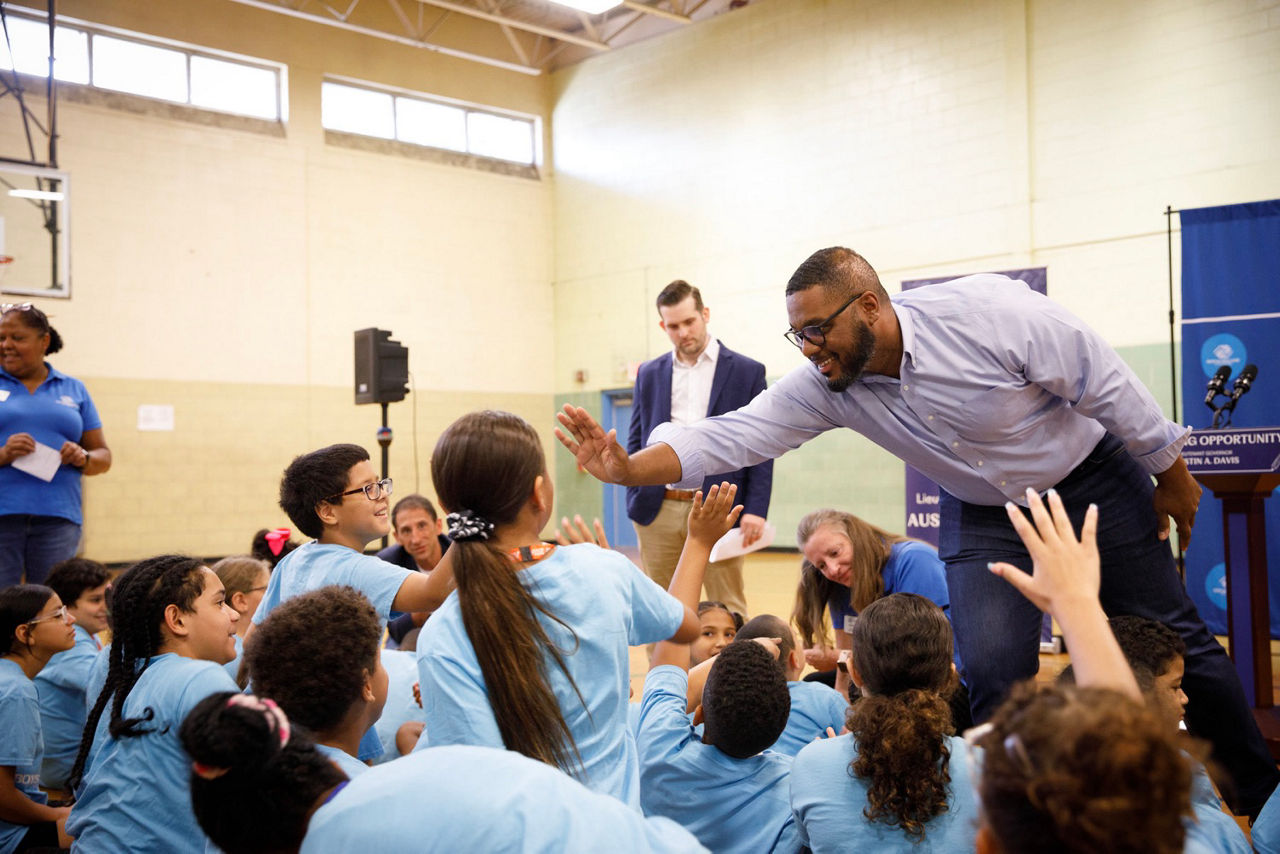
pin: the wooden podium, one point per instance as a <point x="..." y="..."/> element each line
<point x="1242" y="467"/>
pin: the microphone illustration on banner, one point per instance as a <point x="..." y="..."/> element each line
<point x="1216" y="385"/>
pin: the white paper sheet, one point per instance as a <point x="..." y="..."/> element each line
<point x="730" y="545"/>
<point x="43" y="462"/>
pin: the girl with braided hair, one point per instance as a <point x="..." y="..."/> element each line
<point x="532" y="652"/>
<point x="173" y="631"/>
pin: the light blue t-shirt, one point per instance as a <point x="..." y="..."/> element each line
<point x="828" y="802"/>
<point x="401" y="708"/>
<point x="451" y="799"/>
<point x="60" y="410"/>
<point x="610" y="605"/>
<point x="1265" y="833"/>
<point x="136" y="793"/>
<point x="814" y="707"/>
<point x="1212" y="830"/>
<point x="314" y="565"/>
<point x="21" y="745"/>
<point x="63" y="684"/>
<point x="731" y="805"/>
<point x="350" y="766"/>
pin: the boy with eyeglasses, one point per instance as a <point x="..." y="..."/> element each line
<point x="334" y="496"/>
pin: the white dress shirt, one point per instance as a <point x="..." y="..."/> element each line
<point x="691" y="385"/>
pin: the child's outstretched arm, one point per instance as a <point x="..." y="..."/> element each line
<point x="1065" y="585"/>
<point x="708" y="522"/>
<point x="426" y="591"/>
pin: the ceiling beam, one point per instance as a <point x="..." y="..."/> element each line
<point x="391" y="37"/>
<point x="637" y="6"/>
<point x="550" y="32"/>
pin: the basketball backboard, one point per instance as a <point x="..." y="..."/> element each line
<point x="35" y="206"/>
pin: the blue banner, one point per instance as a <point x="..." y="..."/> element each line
<point x="1230" y="319"/>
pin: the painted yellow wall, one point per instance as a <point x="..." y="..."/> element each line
<point x="223" y="271"/>
<point x="932" y="136"/>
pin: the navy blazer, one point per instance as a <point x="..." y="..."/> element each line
<point x="737" y="380"/>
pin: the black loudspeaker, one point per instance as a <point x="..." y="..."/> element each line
<point x="382" y="367"/>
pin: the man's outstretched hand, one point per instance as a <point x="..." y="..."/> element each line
<point x="595" y="450"/>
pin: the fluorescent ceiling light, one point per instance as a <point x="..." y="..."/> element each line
<point x="591" y="7"/>
<point x="43" y="195"/>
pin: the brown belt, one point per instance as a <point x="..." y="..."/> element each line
<point x="679" y="494"/>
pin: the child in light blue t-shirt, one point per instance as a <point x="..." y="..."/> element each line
<point x="335" y="689"/>
<point x="172" y="633"/>
<point x="35" y="627"/>
<point x="743" y="706"/>
<point x="261" y="785"/>
<point x="899" y="781"/>
<point x="532" y="653"/>
<point x="817" y="711"/>
<point x="334" y="496"/>
<point x="81" y="584"/>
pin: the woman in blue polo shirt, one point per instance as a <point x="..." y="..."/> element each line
<point x="39" y="406"/>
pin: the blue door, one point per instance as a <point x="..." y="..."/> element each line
<point x="616" y="409"/>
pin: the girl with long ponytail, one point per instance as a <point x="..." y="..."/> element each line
<point x="900" y="777"/>
<point x="532" y="652"/>
<point x="172" y="632"/>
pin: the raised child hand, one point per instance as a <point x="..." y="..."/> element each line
<point x="572" y="533"/>
<point x="1066" y="570"/>
<point x="711" y="519"/>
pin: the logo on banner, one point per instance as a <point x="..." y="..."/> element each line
<point x="1222" y="349"/>
<point x="1215" y="586"/>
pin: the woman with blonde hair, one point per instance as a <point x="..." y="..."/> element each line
<point x="848" y="564"/>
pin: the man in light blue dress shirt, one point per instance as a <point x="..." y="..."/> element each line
<point x="989" y="389"/>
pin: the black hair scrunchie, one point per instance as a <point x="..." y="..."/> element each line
<point x="467" y="525"/>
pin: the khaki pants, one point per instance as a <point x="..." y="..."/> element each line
<point x="661" y="542"/>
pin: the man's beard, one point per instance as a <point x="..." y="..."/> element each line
<point x="853" y="363"/>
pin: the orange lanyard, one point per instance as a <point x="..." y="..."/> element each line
<point x="529" y="554"/>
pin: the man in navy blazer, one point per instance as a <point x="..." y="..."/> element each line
<point x="700" y="378"/>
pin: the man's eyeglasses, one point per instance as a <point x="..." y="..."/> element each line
<point x="60" y="614"/>
<point x="372" y="491"/>
<point x="817" y="333"/>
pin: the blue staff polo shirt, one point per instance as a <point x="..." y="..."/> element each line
<point x="59" y="410"/>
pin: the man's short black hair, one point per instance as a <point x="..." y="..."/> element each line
<point x="71" y="578"/>
<point x="838" y="270"/>
<point x="313" y="477"/>
<point x="769" y="626"/>
<point x="421" y="502"/>
<point x="745" y="702"/>
<point x="677" y="292"/>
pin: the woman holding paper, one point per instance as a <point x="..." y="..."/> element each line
<point x="51" y="435"/>
<point x="848" y="564"/>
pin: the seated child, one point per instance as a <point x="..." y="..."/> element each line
<point x="532" y="652"/>
<point x="719" y="627"/>
<point x="172" y="634"/>
<point x="1155" y="652"/>
<point x="259" y="785"/>
<point x="900" y="779"/>
<point x="333" y="495"/>
<point x="402" y="718"/>
<point x="82" y="585"/>
<point x="744" y="706"/>
<point x="244" y="577"/>
<point x="35" y="627"/>
<point x="335" y="689"/>
<point x="815" y="707"/>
